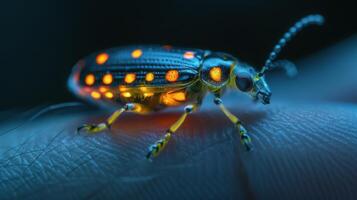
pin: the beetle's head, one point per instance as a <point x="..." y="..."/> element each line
<point x="246" y="79"/>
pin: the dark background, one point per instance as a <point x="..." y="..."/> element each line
<point x="41" y="40"/>
<point x="305" y="141"/>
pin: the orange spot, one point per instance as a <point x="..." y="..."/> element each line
<point x="95" y="95"/>
<point x="129" y="78"/>
<point x="136" y="53"/>
<point x="137" y="108"/>
<point x="148" y="94"/>
<point x="107" y="79"/>
<point x="168" y="101"/>
<point x="172" y="75"/>
<point x="126" y="94"/>
<point x="89" y="79"/>
<point x="173" y="99"/>
<point x="216" y="74"/>
<point x="178" y="96"/>
<point x="149" y="77"/>
<point x="143" y="89"/>
<point x="109" y="95"/>
<point x="103" y="89"/>
<point x="122" y="88"/>
<point x="102" y="58"/>
<point x="189" y="55"/>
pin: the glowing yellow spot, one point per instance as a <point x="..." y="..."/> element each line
<point x="136" y="53"/>
<point x="95" y="95"/>
<point x="172" y="99"/>
<point x="129" y="78"/>
<point x="189" y="55"/>
<point x="122" y="88"/>
<point x="216" y="74"/>
<point x="109" y="95"/>
<point x="178" y="96"/>
<point x="172" y="75"/>
<point x="137" y="108"/>
<point x="102" y="58"/>
<point x="148" y="94"/>
<point x="107" y="79"/>
<point x="149" y="77"/>
<point x="103" y="89"/>
<point x="143" y="89"/>
<point x="89" y="79"/>
<point x="126" y="94"/>
<point x="169" y="101"/>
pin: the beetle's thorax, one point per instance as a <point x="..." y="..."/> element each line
<point x="216" y="69"/>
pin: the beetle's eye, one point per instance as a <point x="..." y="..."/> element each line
<point x="244" y="82"/>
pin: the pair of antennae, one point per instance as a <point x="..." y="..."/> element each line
<point x="297" y="27"/>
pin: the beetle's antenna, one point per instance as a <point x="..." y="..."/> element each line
<point x="297" y="27"/>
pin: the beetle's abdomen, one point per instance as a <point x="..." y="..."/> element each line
<point x="137" y="74"/>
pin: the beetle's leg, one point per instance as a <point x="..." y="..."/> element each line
<point x="94" y="128"/>
<point x="159" y="145"/>
<point x="245" y="139"/>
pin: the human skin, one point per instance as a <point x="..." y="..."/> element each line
<point x="305" y="146"/>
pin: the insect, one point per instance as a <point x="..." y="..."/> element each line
<point x="145" y="79"/>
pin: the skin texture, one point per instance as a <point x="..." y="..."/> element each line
<point x="304" y="148"/>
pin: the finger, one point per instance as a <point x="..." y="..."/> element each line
<point x="299" y="150"/>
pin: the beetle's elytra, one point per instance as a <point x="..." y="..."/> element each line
<point x="144" y="79"/>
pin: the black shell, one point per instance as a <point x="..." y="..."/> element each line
<point x="155" y="59"/>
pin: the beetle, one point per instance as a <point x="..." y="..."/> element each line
<point x="148" y="78"/>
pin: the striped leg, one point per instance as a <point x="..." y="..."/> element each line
<point x="159" y="145"/>
<point x="245" y="139"/>
<point x="95" y="128"/>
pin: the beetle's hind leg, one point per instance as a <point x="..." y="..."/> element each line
<point x="95" y="128"/>
<point x="159" y="145"/>
<point x="245" y="139"/>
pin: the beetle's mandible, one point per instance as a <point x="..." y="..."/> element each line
<point x="144" y="79"/>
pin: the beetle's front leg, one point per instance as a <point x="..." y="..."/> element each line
<point x="159" y="145"/>
<point x="245" y="139"/>
<point x="95" y="128"/>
